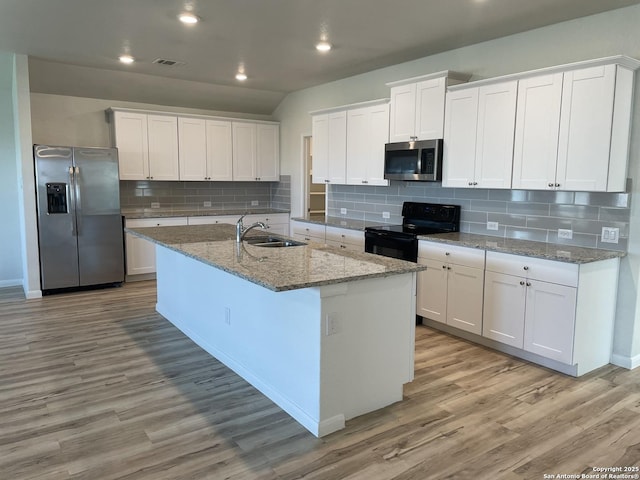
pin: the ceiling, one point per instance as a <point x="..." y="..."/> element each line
<point x="74" y="45"/>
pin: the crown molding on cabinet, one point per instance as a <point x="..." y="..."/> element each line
<point x="370" y="103"/>
<point x="453" y="77"/>
<point x="622" y="60"/>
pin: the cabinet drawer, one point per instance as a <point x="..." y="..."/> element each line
<point x="344" y="235"/>
<point x="213" y="219"/>
<point x="308" y="229"/>
<point x="533" y="268"/>
<point x="270" y="219"/>
<point x="156" y="222"/>
<point x="445" y="253"/>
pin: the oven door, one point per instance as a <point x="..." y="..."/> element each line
<point x="390" y="245"/>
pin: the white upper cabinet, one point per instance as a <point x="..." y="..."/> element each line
<point x="367" y="133"/>
<point x="192" y="148"/>
<point x="205" y="149"/>
<point x="459" y="154"/>
<point x="219" y="150"/>
<point x="417" y="106"/>
<point x="585" y="128"/>
<point x="131" y="137"/>
<point x="267" y="152"/>
<point x="165" y="147"/>
<point x="320" y="135"/>
<point x="496" y="125"/>
<point x="478" y="137"/>
<point x="571" y="128"/>
<point x="329" y="132"/>
<point x="147" y="146"/>
<point x="537" y="127"/>
<point x="244" y="151"/>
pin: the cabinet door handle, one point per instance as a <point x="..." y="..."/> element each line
<point x="444" y="266"/>
<point x="448" y="268"/>
<point x="557" y="185"/>
<point x="522" y="282"/>
<point x="365" y="181"/>
<point x="470" y="183"/>
<point x="526" y="268"/>
<point x="551" y="185"/>
<point x="528" y="284"/>
<point x="475" y="183"/>
<point x="446" y="253"/>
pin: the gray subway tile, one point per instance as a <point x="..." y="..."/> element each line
<point x="488" y="206"/>
<point x="507" y="219"/>
<point x="533" y="234"/>
<point x="471" y="216"/>
<point x="602" y="199"/>
<point x="621" y="246"/>
<point x="548" y="223"/>
<point x="578" y="240"/>
<point x="471" y="193"/>
<point x="528" y="208"/>
<point x="615" y="214"/>
<point x="574" y="211"/>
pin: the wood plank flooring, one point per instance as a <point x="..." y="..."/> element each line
<point x="96" y="385"/>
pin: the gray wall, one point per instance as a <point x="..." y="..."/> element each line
<point x="10" y="264"/>
<point x="610" y="33"/>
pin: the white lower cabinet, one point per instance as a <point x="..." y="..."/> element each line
<point x="308" y="232"/>
<point x="450" y="290"/>
<point x="140" y="253"/>
<point x="558" y="314"/>
<point x="345" y="238"/>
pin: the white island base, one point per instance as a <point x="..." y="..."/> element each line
<point x="323" y="354"/>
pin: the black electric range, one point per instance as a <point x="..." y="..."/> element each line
<point x="401" y="241"/>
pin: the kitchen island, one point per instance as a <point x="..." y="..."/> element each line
<point x="325" y="334"/>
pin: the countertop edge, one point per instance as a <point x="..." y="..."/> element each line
<point x="570" y="253"/>
<point x="410" y="268"/>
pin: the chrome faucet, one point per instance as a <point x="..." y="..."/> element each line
<point x="241" y="231"/>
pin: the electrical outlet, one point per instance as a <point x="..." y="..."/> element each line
<point x="207" y="204"/>
<point x="565" y="233"/>
<point x="155" y="204"/>
<point x="343" y="211"/>
<point x="333" y="324"/>
<point x="492" y="225"/>
<point x="610" y="235"/>
<point x="255" y="203"/>
<point x="386" y="215"/>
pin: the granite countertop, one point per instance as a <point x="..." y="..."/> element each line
<point x="549" y="251"/>
<point x="278" y="269"/>
<point x="134" y="213"/>
<point x="348" y="223"/>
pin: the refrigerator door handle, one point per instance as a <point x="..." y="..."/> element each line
<point x="78" y="200"/>
<point x="70" y="189"/>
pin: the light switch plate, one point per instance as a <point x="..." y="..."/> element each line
<point x="207" y="204"/>
<point x="610" y="235"/>
<point x="492" y="225"/>
<point x="155" y="204"/>
<point x="343" y="211"/>
<point x="255" y="203"/>
<point x="385" y="215"/>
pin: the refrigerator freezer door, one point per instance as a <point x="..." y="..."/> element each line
<point x="56" y="217"/>
<point x="99" y="224"/>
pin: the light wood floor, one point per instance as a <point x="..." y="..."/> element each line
<point x="97" y="386"/>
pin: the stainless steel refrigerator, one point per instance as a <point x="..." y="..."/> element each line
<point x="79" y="222"/>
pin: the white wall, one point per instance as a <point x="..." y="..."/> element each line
<point x="611" y="33"/>
<point x="80" y="121"/>
<point x="10" y="266"/>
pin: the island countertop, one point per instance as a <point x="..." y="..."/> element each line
<point x="278" y="269"/>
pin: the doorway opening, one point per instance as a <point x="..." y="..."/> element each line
<point x="316" y="193"/>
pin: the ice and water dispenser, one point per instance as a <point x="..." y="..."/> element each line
<point x="57" y="198"/>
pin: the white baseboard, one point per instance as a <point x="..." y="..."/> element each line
<point x="625" y="362"/>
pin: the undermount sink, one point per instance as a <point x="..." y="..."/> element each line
<point x="272" y="241"/>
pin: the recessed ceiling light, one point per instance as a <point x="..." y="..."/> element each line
<point x="241" y="76"/>
<point x="126" y="59"/>
<point x="188" y="18"/>
<point x="323" y="46"/>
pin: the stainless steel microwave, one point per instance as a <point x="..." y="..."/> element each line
<point x="418" y="160"/>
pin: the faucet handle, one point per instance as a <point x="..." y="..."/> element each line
<point x="240" y="219"/>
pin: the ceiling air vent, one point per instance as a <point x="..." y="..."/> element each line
<point x="168" y="63"/>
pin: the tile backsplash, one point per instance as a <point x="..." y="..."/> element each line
<point x="525" y="214"/>
<point x="193" y="195"/>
